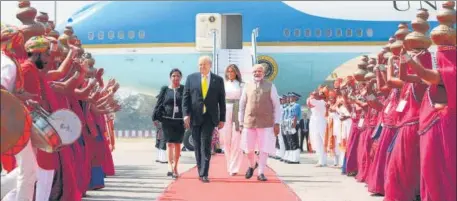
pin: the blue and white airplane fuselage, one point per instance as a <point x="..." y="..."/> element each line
<point x="139" y="42"/>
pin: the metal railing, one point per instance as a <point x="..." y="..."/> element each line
<point x="214" y="34"/>
<point x="254" y="35"/>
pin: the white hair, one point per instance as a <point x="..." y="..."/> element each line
<point x="258" y="66"/>
<point x="206" y="58"/>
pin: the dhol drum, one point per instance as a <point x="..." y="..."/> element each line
<point x="13" y="121"/>
<point x="50" y="132"/>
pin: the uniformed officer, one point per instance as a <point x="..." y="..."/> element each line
<point x="293" y="135"/>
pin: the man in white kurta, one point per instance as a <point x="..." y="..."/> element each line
<point x="317" y="125"/>
<point x="20" y="183"/>
<point x="259" y="114"/>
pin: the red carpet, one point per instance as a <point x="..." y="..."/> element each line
<point x="223" y="187"/>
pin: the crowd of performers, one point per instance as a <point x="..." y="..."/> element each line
<point x="392" y="124"/>
<point x="45" y="69"/>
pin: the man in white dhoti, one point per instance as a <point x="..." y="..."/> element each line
<point x="317" y="125"/>
<point x="260" y="114"/>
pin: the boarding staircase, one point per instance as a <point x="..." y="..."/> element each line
<point x="244" y="58"/>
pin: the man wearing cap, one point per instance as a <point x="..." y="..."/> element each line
<point x="259" y="116"/>
<point x="285" y="128"/>
<point x="294" y="118"/>
<point x="19" y="183"/>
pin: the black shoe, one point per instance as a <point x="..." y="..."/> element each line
<point x="261" y="177"/>
<point x="249" y="173"/>
<point x="169" y="174"/>
<point x="174" y="175"/>
<point x="204" y="179"/>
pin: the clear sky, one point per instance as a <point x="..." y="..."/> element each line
<point x="64" y="10"/>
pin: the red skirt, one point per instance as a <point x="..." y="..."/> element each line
<point x="363" y="154"/>
<point x="403" y="169"/>
<point x="376" y="174"/>
<point x="108" y="163"/>
<point x="438" y="160"/>
<point x="351" y="153"/>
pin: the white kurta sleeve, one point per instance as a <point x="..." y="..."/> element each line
<point x="8" y="74"/>
<point x="242" y="106"/>
<point x="276" y="104"/>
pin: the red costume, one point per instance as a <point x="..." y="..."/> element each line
<point x="353" y="142"/>
<point x="437" y="131"/>
<point x="389" y="119"/>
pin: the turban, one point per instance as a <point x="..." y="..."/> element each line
<point x="11" y="34"/>
<point x="37" y="44"/>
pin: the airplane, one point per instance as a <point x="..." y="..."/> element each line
<point x="302" y="42"/>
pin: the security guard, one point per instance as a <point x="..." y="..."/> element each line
<point x="293" y="137"/>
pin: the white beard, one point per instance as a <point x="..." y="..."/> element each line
<point x="258" y="79"/>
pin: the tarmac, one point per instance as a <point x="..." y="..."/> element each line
<point x="139" y="177"/>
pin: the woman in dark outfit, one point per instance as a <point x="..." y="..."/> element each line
<point x="169" y="112"/>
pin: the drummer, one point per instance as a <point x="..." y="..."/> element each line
<point x="18" y="184"/>
<point x="38" y="52"/>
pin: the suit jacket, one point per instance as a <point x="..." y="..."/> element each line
<point x="192" y="102"/>
<point x="304" y="125"/>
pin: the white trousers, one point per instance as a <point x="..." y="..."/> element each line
<point x="162" y="155"/>
<point x="317" y="134"/>
<point x="21" y="181"/>
<point x="44" y="184"/>
<point x="232" y="140"/>
<point x="262" y="139"/>
<point x="282" y="147"/>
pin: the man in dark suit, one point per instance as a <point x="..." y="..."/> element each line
<point x="203" y="110"/>
<point x="304" y="132"/>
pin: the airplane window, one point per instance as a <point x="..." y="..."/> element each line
<point x="111" y="35"/>
<point x="339" y="32"/>
<point x="120" y="34"/>
<point x="359" y="32"/>
<point x="348" y="32"/>
<point x="328" y="33"/>
<point x="370" y="32"/>
<point x="101" y="35"/>
<point x="90" y="35"/>
<point x="141" y="34"/>
<point x="318" y="33"/>
<point x="297" y="32"/>
<point x="286" y="32"/>
<point x="131" y="34"/>
<point x="307" y="32"/>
